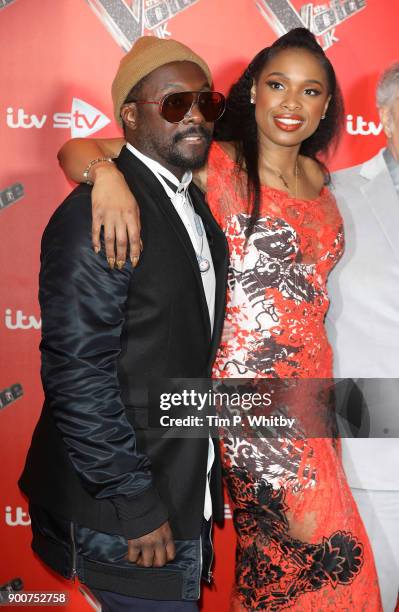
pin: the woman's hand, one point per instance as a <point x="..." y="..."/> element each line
<point x="115" y="207"/>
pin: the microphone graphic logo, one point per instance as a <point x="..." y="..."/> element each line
<point x="10" y="395"/>
<point x="13" y="585"/>
<point x="11" y="194"/>
<point x="4" y="4"/>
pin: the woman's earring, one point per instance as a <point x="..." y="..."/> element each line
<point x="252" y="99"/>
<point x="323" y="117"/>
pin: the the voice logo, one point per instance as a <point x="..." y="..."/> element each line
<point x="127" y="20"/>
<point x="83" y="120"/>
<point x="320" y="18"/>
<point x="17" y="517"/>
<point x="357" y="126"/>
<point x="21" y="321"/>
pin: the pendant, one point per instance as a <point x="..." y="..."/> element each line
<point x="284" y="182"/>
<point x="203" y="264"/>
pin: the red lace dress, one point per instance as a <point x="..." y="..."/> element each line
<point x="301" y="544"/>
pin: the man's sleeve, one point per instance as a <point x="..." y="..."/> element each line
<point x="82" y="303"/>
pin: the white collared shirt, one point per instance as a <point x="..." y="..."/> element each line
<point x="186" y="212"/>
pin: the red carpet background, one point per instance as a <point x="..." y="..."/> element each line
<point x="57" y="61"/>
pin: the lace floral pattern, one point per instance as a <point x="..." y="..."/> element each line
<point x="273" y="568"/>
<point x="276" y="297"/>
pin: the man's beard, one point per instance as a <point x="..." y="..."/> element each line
<point x="169" y="154"/>
<point x="194" y="159"/>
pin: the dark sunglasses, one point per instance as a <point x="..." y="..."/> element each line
<point x="175" y="106"/>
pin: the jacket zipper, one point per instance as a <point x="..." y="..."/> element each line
<point x="200" y="569"/>
<point x="74" y="572"/>
<point x="210" y="575"/>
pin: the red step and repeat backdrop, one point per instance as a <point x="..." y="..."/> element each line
<point x="57" y="61"/>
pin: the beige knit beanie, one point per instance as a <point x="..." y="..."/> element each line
<point x="147" y="54"/>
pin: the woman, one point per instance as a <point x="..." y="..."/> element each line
<point x="301" y="544"/>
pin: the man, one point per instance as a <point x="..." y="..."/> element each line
<point x="363" y="325"/>
<point x="126" y="510"/>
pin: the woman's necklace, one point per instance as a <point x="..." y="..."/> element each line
<point x="280" y="175"/>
